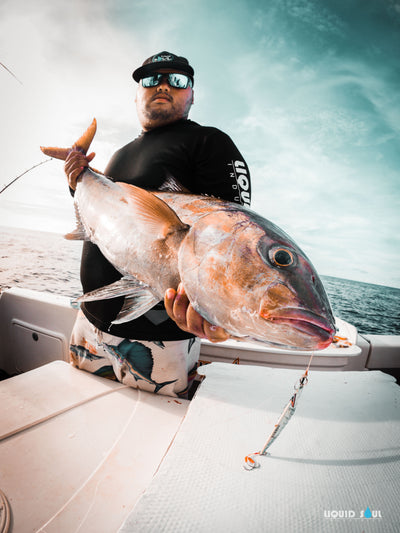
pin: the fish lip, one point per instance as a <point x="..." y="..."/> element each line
<point x="305" y="321"/>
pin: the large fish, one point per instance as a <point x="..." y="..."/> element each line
<point x="240" y="271"/>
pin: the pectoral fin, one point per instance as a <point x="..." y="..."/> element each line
<point x="136" y="306"/>
<point x="139" y="298"/>
<point x="159" y="218"/>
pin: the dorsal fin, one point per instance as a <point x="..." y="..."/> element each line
<point x="82" y="144"/>
<point x="171" y="184"/>
<point x="154" y="212"/>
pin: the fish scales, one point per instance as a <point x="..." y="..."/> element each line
<point x="239" y="270"/>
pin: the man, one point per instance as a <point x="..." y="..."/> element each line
<point x="159" y="350"/>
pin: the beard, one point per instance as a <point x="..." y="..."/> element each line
<point x="166" y="114"/>
<point x="160" y="114"/>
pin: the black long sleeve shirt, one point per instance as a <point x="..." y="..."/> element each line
<point x="205" y="161"/>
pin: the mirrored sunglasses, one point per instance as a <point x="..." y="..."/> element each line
<point x="177" y="81"/>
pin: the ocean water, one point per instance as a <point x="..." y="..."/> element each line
<point x="47" y="262"/>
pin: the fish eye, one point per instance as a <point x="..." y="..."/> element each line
<point x="275" y="255"/>
<point x="281" y="257"/>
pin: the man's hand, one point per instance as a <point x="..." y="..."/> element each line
<point x="74" y="165"/>
<point x="181" y="311"/>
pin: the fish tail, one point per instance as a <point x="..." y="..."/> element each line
<point x="82" y="144"/>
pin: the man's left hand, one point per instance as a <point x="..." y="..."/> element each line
<point x="182" y="312"/>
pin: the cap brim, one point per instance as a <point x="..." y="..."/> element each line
<point x="149" y="69"/>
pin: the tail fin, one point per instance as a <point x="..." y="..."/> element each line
<point x="82" y="144"/>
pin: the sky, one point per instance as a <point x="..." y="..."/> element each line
<point x="309" y="90"/>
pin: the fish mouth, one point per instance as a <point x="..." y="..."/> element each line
<point x="305" y="321"/>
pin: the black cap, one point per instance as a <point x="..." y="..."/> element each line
<point x="163" y="60"/>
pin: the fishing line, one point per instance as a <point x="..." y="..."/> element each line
<point x="10" y="72"/>
<point x="97" y="469"/>
<point x="26" y="171"/>
<point x="249" y="461"/>
<point x="61" y="411"/>
<point x="34" y="166"/>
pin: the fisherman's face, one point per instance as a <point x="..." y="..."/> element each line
<point x="162" y="104"/>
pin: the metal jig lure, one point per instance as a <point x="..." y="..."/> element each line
<point x="249" y="461"/>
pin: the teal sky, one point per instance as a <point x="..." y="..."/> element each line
<point x="309" y="91"/>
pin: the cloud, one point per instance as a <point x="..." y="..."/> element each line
<point x="307" y="90"/>
<point x="316" y="17"/>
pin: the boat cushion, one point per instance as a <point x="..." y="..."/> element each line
<point x="337" y="460"/>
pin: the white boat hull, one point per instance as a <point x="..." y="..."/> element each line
<point x="35" y="328"/>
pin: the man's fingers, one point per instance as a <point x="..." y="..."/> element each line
<point x="169" y="299"/>
<point x="176" y="305"/>
<point x="214" y="333"/>
<point x="180" y="307"/>
<point x="183" y="313"/>
<point x="195" y="322"/>
<point x="74" y="164"/>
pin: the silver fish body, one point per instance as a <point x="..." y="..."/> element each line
<point x="127" y="237"/>
<point x="239" y="270"/>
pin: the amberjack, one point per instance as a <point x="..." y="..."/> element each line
<point x="239" y="270"/>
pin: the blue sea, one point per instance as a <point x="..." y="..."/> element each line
<point x="47" y="262"/>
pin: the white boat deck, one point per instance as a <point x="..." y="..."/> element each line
<point x="339" y="452"/>
<point x="81" y="453"/>
<point x="77" y="451"/>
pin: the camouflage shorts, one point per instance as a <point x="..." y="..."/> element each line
<point x="167" y="367"/>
